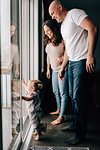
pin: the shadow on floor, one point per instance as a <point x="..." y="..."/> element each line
<point x="54" y="137"/>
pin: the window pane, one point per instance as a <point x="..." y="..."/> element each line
<point x="6" y="73"/>
<point x="10" y="69"/>
<point x="19" y="59"/>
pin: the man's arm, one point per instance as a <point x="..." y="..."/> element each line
<point x="64" y="64"/>
<point x="92" y="29"/>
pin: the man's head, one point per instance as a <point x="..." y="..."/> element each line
<point x="57" y="11"/>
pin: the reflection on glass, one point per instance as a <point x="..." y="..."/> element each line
<point x="14" y="112"/>
<point x="10" y="82"/>
<point x="15" y="87"/>
<point x="15" y="83"/>
<point x="15" y="74"/>
<point x="14" y="55"/>
<point x="10" y="56"/>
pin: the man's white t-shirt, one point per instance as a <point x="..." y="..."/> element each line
<point x="75" y="37"/>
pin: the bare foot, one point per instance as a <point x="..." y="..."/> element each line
<point x="55" y="113"/>
<point x="37" y="138"/>
<point x="59" y="120"/>
<point x="35" y="133"/>
<point x="14" y="131"/>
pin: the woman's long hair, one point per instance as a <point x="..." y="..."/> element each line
<point x="57" y="38"/>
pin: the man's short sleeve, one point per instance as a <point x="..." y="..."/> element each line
<point x="77" y="16"/>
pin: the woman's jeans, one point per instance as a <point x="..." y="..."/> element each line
<point x="78" y="91"/>
<point x="60" y="92"/>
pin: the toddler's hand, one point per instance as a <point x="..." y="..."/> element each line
<point x="23" y="81"/>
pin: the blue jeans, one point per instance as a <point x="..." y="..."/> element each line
<point x="78" y="91"/>
<point x="60" y="92"/>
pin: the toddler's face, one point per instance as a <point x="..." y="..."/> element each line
<point x="16" y="87"/>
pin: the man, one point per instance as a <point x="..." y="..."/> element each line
<point x="10" y="59"/>
<point x="79" y="34"/>
<point x="15" y="82"/>
<point x="14" y="54"/>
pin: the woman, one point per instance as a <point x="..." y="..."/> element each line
<point x="55" y="51"/>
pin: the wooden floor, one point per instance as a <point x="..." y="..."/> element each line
<point x="54" y="137"/>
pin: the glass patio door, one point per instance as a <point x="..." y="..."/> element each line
<point x="19" y="59"/>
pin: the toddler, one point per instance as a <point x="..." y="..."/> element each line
<point x="15" y="85"/>
<point x="34" y="102"/>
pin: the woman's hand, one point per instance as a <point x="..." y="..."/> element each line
<point x="59" y="60"/>
<point x="48" y="74"/>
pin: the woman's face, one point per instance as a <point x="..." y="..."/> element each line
<point x="48" y="31"/>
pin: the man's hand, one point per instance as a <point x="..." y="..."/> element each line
<point x="62" y="74"/>
<point x="90" y="64"/>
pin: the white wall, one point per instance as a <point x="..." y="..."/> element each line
<point x="5" y="34"/>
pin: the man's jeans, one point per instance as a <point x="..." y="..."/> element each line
<point x="60" y="92"/>
<point x="78" y="91"/>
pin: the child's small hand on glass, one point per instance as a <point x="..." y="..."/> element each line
<point x="23" y="81"/>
